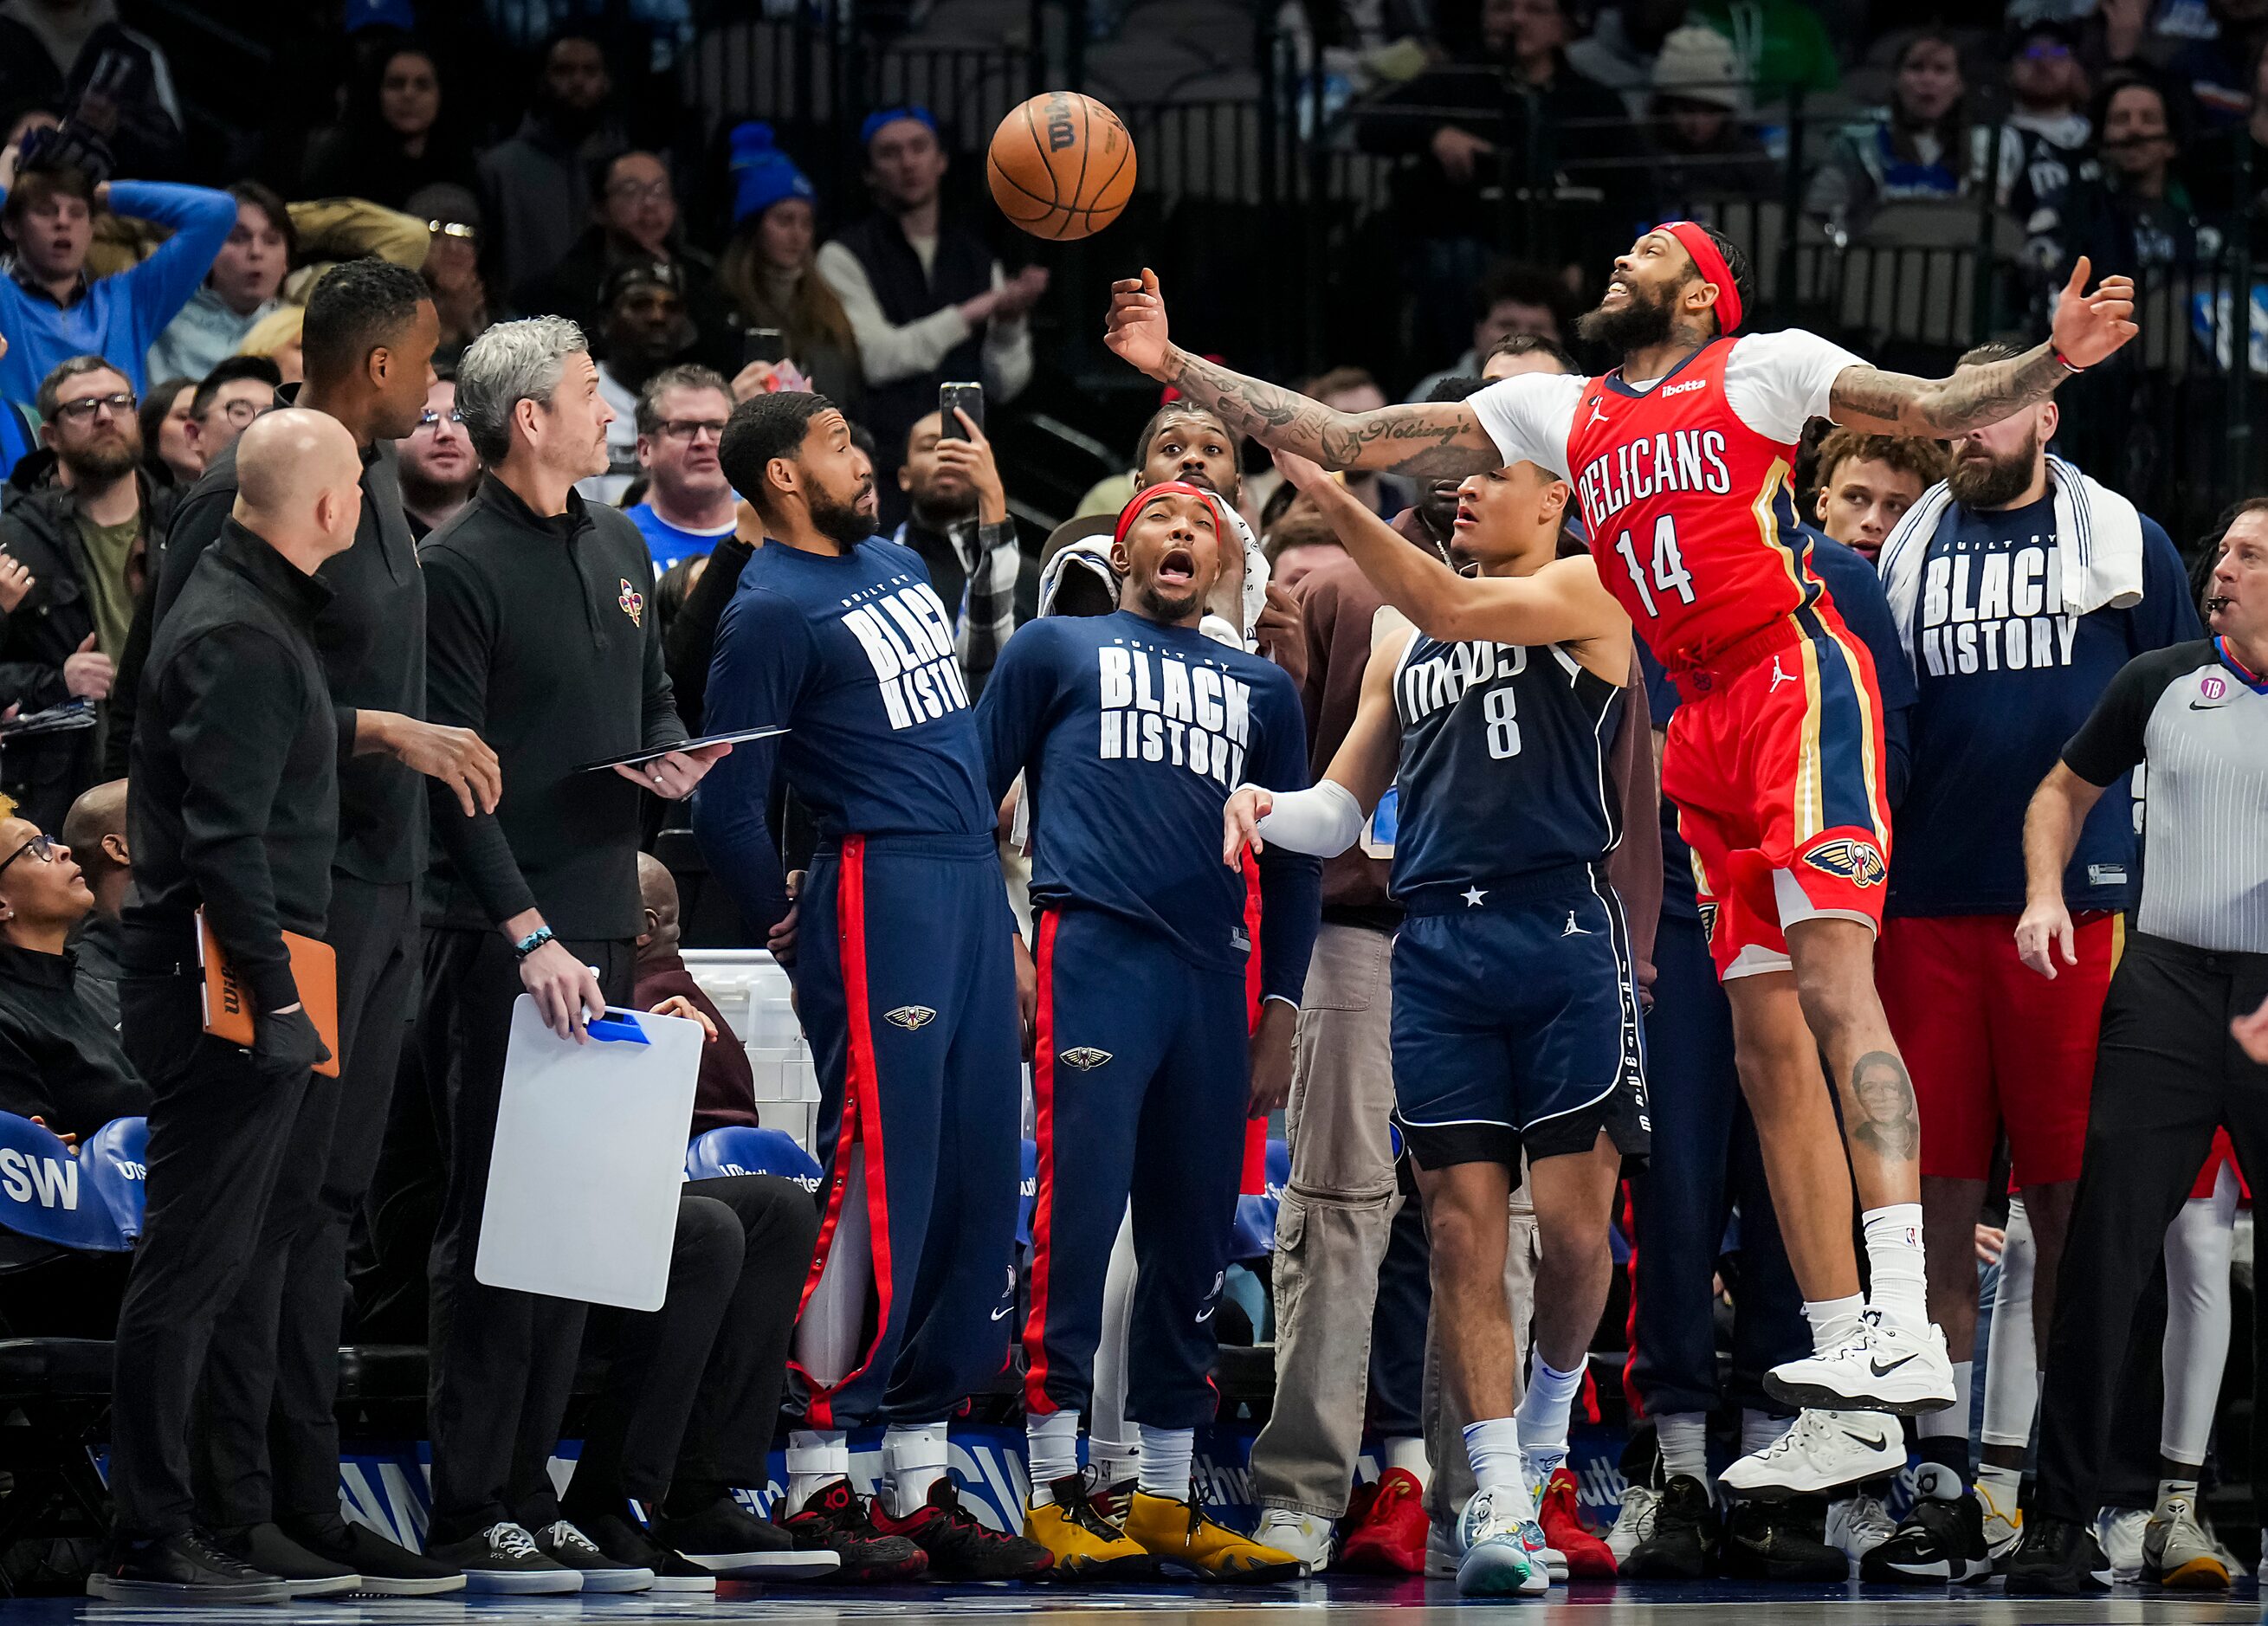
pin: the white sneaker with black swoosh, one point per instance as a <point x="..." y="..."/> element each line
<point x="1884" y="1368"/>
<point x="1823" y="1450"/>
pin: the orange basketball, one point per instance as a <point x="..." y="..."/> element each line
<point x="1061" y="165"/>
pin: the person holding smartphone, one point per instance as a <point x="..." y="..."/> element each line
<point x="958" y="525"/>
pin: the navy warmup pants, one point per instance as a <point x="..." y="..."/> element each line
<point x="906" y="982"/>
<point x="1140" y="1084"/>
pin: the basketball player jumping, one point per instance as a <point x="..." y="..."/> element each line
<point x="1681" y="461"/>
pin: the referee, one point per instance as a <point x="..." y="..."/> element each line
<point x="2168" y="1072"/>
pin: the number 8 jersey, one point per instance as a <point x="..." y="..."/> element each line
<point x="1685" y="484"/>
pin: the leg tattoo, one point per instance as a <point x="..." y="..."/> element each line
<point x="1891" y="1127"/>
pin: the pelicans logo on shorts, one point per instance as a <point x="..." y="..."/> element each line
<point x="1858" y="861"/>
<point x="633" y="603"/>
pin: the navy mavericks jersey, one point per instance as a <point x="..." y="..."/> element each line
<point x="854" y="655"/>
<point x="1131" y="734"/>
<point x="1503" y="763"/>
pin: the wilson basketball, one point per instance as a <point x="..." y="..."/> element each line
<point x="1062" y="166"/>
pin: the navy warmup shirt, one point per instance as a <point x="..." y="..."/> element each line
<point x="853" y="653"/>
<point x="1130" y="736"/>
<point x="2005" y="676"/>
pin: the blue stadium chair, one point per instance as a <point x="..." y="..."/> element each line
<point x="743" y="1148"/>
<point x="115" y="1161"/>
<point x="43" y="1195"/>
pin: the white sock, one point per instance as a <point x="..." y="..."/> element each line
<point x="1894" y="1257"/>
<point x="1760" y="1431"/>
<point x="1115" y="1462"/>
<point x="1953" y="1421"/>
<point x="1541" y="1413"/>
<point x="1493" y="1449"/>
<point x="913" y="1458"/>
<point x="1166" y="1461"/>
<point x="1051" y="1447"/>
<point x="1684" y="1437"/>
<point x="2006" y="1484"/>
<point x="1834" y="1321"/>
<point x="815" y="1457"/>
<point x="2187" y="1487"/>
<point x="1407" y="1453"/>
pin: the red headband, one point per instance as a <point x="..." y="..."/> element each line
<point x="1181" y="487"/>
<point x="1712" y="268"/>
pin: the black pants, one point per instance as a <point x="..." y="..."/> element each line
<point x="692" y="1392"/>
<point x="2166" y="1076"/>
<point x="270" y="1442"/>
<point x="386" y="1275"/>
<point x="1397" y="1328"/>
<point x="218" y="1128"/>
<point x="503" y="1362"/>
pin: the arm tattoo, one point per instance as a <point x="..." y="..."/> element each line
<point x="1941" y="408"/>
<point x="1426" y="442"/>
<point x="1887" y="1123"/>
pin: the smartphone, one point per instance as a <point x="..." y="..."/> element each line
<point x="969" y="397"/>
<point x="764" y="345"/>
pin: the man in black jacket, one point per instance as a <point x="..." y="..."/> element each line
<point x="270" y="1443"/>
<point x="235" y="816"/>
<point x="540" y="636"/>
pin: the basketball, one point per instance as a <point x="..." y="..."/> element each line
<point x="1062" y="166"/>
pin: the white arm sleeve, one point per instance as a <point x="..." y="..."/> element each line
<point x="1778" y="382"/>
<point x="1530" y="416"/>
<point x="1324" y="821"/>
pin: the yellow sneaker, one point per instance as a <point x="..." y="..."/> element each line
<point x="1087" y="1547"/>
<point x="1179" y="1534"/>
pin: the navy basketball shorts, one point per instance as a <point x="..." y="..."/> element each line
<point x="1516" y="1023"/>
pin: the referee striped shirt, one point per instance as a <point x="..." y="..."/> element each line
<point x="2200" y="720"/>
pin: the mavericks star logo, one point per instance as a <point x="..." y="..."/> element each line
<point x="910" y="1017"/>
<point x="633" y="603"/>
<point x="1085" y="1058"/>
<point x="1858" y="861"/>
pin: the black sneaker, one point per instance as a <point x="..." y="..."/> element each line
<point x="504" y="1558"/>
<point x="1938" y="1539"/>
<point x="388" y="1569"/>
<point x="1781" y="1542"/>
<point x="1684" y="1544"/>
<point x="835" y="1519"/>
<point x="307" y="1574"/>
<point x="960" y="1548"/>
<point x="187" y="1568"/>
<point x="561" y="1542"/>
<point x="727" y="1540"/>
<point x="2057" y="1557"/>
<point x="627" y="1542"/>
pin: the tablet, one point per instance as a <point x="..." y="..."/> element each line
<point x="647" y="755"/>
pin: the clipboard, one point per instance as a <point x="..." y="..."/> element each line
<point x="627" y="758"/>
<point x="228" y="1002"/>
<point x="589" y="1158"/>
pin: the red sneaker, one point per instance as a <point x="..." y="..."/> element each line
<point x="1566" y="1531"/>
<point x="1386" y="1532"/>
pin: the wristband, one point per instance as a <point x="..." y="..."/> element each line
<point x="2065" y="362"/>
<point x="532" y="941"/>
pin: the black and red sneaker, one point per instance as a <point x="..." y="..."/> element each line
<point x="839" y="1520"/>
<point x="960" y="1548"/>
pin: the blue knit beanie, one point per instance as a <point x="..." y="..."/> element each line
<point x="763" y="175"/>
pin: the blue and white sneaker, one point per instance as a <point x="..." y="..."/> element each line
<point x="1496" y="1562"/>
<point x="1536" y="1469"/>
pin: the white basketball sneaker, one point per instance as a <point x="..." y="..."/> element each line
<point x="1822" y="1452"/>
<point x="1303" y="1535"/>
<point x="1884" y="1368"/>
<point x="1633" y="1522"/>
<point x="1859" y="1524"/>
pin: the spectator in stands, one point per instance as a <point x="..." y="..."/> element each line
<point x="278" y="336"/>
<point x="2211" y="58"/>
<point x="60" y="1061"/>
<point x="1351" y="389"/>
<point x="1518" y="299"/>
<point x="247" y="276"/>
<point x="768" y="270"/>
<point x="1296" y="541"/>
<point x="634" y="221"/>
<point x="644" y="327"/>
<point x="438" y="466"/>
<point x="95" y="832"/>
<point x="397" y="136"/>
<point x="1700" y="147"/>
<point x="680" y="418"/>
<point x="1784" y="46"/>
<point x="49" y="50"/>
<point x="166" y="451"/>
<point x="1919" y="147"/>
<point x="50" y="308"/>
<point x="957" y="520"/>
<point x="2138" y="218"/>
<point x="452" y="265"/>
<point x="535" y="189"/>
<point x="925" y="297"/>
<point x="233" y="393"/>
<point x="85" y="533"/>
<point x="2048" y="125"/>
<point x="1867" y="482"/>
<point x="726" y="1094"/>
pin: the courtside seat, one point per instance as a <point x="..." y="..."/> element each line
<point x="43" y="1369"/>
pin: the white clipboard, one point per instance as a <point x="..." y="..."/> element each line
<point x="590" y="1158"/>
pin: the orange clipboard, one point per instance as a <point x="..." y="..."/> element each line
<point x="228" y="1004"/>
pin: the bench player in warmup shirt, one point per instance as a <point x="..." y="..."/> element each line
<point x="1131" y="729"/>
<point x="1679" y="459"/>
<point x="1515" y="1020"/>
<point x="836" y="635"/>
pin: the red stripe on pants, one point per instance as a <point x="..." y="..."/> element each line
<point x="1043" y="1195"/>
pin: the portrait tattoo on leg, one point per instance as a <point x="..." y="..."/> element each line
<point x="1887" y="1125"/>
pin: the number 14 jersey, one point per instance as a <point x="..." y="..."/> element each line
<point x="1684" y="483"/>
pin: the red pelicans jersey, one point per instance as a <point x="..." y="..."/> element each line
<point x="1684" y="485"/>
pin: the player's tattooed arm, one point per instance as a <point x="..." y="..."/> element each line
<point x="1426" y="442"/>
<point x="1887" y="1122"/>
<point x="1896" y="403"/>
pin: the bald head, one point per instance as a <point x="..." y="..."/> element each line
<point x="658" y="897"/>
<point x="299" y="484"/>
<point x="95" y="831"/>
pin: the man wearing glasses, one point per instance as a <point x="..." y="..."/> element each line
<point x="228" y="398"/>
<point x="689" y="502"/>
<point x="438" y="466"/>
<point x="85" y="533"/>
